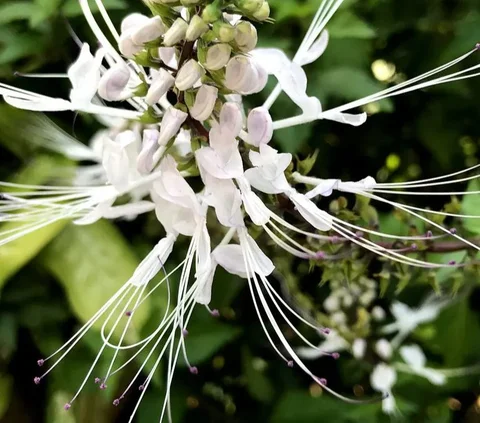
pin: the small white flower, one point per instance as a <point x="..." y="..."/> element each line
<point x="113" y="83"/>
<point x="171" y="123"/>
<point x="145" y="159"/>
<point x="175" y="33"/>
<point x="244" y="76"/>
<point x="246" y="36"/>
<point x="260" y="126"/>
<point x="378" y="313"/>
<point x="217" y="56"/>
<point x="151" y="30"/>
<point x="382" y="379"/>
<point x="161" y="83"/>
<point x="196" y="28"/>
<point x="188" y="75"/>
<point x="204" y="102"/>
<point x="358" y="348"/>
<point x="384" y="349"/>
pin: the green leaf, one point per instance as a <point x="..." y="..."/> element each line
<point x="348" y="25"/>
<point x="72" y="8"/>
<point x="299" y="406"/>
<point x="16" y="10"/>
<point x="259" y="385"/>
<point x="92" y="263"/>
<point x="206" y="335"/>
<point x="6" y="385"/>
<point x="15" y="254"/>
<point x="8" y="336"/>
<point x="471" y="206"/>
<point x="350" y="84"/>
<point x="458" y="335"/>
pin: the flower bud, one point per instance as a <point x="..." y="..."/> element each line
<point x="168" y="56"/>
<point x="161" y="83"/>
<point x="113" y="83"/>
<point x="249" y="6"/>
<point x="231" y="119"/>
<point x="224" y="31"/>
<point x="260" y="126"/>
<point x="211" y="13"/>
<point x="204" y="103"/>
<point x="145" y="160"/>
<point x="132" y="21"/>
<point x="171" y="123"/>
<point x="196" y="28"/>
<point x="246" y="36"/>
<point x="217" y="56"/>
<point x="188" y="75"/>
<point x="188" y="3"/>
<point x="244" y="76"/>
<point x="126" y="45"/>
<point x="151" y="30"/>
<point x="263" y="13"/>
<point x="176" y="33"/>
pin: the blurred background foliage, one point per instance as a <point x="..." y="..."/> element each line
<point x="60" y="275"/>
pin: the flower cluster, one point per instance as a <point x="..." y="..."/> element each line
<point x="171" y="92"/>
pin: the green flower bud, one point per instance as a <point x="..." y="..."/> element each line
<point x="263" y="13"/>
<point x="246" y="36"/>
<point x="224" y="31"/>
<point x="196" y="28"/>
<point x="249" y="6"/>
<point x="176" y="33"/>
<point x="217" y="56"/>
<point x="212" y="12"/>
<point x="189" y="3"/>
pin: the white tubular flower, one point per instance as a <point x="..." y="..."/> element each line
<point x="188" y="75"/>
<point x="384" y="349"/>
<point x="217" y="56"/>
<point x="204" y="103"/>
<point x="146" y="157"/>
<point x="151" y="30"/>
<point x="175" y="33"/>
<point x="260" y="126"/>
<point x="244" y="76"/>
<point x="161" y="83"/>
<point x="358" y="348"/>
<point x="196" y="28"/>
<point x="168" y="55"/>
<point x="246" y="36"/>
<point x="382" y="379"/>
<point x="114" y="82"/>
<point x="84" y="76"/>
<point x="171" y="123"/>
<point x="133" y="21"/>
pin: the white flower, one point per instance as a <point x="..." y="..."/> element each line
<point x="162" y="81"/>
<point x="415" y="358"/>
<point x="382" y="380"/>
<point x="113" y="83"/>
<point x="146" y="157"/>
<point x="246" y="36"/>
<point x="148" y="31"/>
<point x="204" y="102"/>
<point x="188" y="75"/>
<point x="358" y="348"/>
<point x="244" y="75"/>
<point x="217" y="56"/>
<point x="384" y="349"/>
<point x="196" y="28"/>
<point x="175" y="33"/>
<point x="171" y="123"/>
<point x="260" y="126"/>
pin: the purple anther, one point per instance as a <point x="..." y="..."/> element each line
<point x="215" y="313"/>
<point x="335" y="356"/>
<point x="128" y="313"/>
<point x="413" y="247"/>
<point x="184" y="332"/>
<point x="359" y="234"/>
<point x="40" y="362"/>
<point x="320" y="255"/>
<point x="141" y="387"/>
<point x="334" y="239"/>
<point x="452" y="262"/>
<point x="67" y="406"/>
<point x="116" y="402"/>
<point x="477" y="46"/>
<point x="194" y="370"/>
<point x="326" y="331"/>
<point x="36" y="380"/>
<point x="290" y="363"/>
<point x="97" y="380"/>
<point x="453" y="231"/>
<point x="322" y="381"/>
<point x="429" y="234"/>
<point x="103" y="386"/>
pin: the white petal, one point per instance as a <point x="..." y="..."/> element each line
<point x="219" y="167"/>
<point x="315" y="50"/>
<point x="413" y="356"/>
<point x="260" y="126"/>
<point x="129" y="210"/>
<point x="204" y="102"/>
<point x="384" y="349"/>
<point x="113" y="83"/>
<point x="358" y="348"/>
<point x="230" y="257"/>
<point x="324" y="188"/>
<point x="347" y="118"/>
<point x="261" y="263"/>
<point x="203" y="294"/>
<point x="231" y="119"/>
<point x="310" y="212"/>
<point x="96" y="214"/>
<point x="257" y="180"/>
<point x="383" y="378"/>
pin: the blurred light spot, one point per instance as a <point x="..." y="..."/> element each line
<point x="477" y="405"/>
<point x="383" y="70"/>
<point x="454" y="404"/>
<point x="414" y="171"/>
<point x="315" y="390"/>
<point x="393" y="162"/>
<point x="358" y="390"/>
<point x="230" y="408"/>
<point x="218" y="362"/>
<point x="372" y="108"/>
<point x="192" y="402"/>
<point x="471" y="161"/>
<point x="382" y="174"/>
<point x="259" y="364"/>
